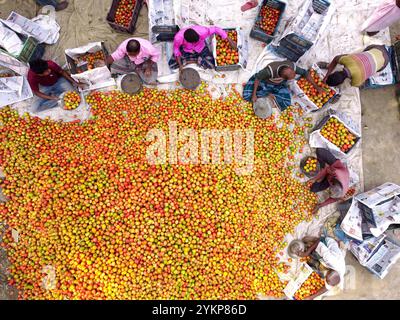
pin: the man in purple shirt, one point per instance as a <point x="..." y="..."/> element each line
<point x="136" y="55"/>
<point x="190" y="46"/>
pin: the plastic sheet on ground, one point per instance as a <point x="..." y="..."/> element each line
<point x="84" y="21"/>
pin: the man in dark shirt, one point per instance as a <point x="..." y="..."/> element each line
<point x="48" y="81"/>
<point x="272" y="81"/>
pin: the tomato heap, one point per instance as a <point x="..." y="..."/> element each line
<point x="350" y="193"/>
<point x="91" y="58"/>
<point x="123" y="15"/>
<point x="72" y="100"/>
<point x="268" y="19"/>
<point x="309" y="287"/>
<point x="311" y="165"/>
<point x="319" y="99"/>
<point x="86" y="201"/>
<point x="337" y="133"/>
<point x="226" y="55"/>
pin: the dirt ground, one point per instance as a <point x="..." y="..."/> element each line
<point x="85" y="20"/>
<point x="381" y="145"/>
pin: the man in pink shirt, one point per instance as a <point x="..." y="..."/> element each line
<point x="136" y="55"/>
<point x="333" y="175"/>
<point x="190" y="46"/>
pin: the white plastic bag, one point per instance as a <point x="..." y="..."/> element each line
<point x="51" y="26"/>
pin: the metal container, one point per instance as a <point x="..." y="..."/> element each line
<point x="312" y="173"/>
<point x="189" y="78"/>
<point x="131" y="83"/>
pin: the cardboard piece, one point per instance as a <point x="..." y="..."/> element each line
<point x="302" y="99"/>
<point x="96" y="78"/>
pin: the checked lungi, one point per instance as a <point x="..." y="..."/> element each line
<point x="280" y="91"/>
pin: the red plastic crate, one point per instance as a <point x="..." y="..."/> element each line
<point x="135" y="15"/>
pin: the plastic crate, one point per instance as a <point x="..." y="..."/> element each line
<point x="72" y="65"/>
<point x="232" y="67"/>
<point x="165" y="37"/>
<point x="165" y="33"/>
<point x="31" y="50"/>
<point x="165" y="29"/>
<point x="320" y="6"/>
<point x="135" y="15"/>
<point x="259" y="34"/>
<point x="293" y="47"/>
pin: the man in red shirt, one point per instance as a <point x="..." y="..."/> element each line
<point x="48" y="81"/>
<point x="334" y="175"/>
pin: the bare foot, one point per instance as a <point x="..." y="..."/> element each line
<point x="62" y="5"/>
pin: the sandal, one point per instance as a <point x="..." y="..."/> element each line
<point x="322" y="65"/>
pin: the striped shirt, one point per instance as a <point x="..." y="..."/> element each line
<point x="364" y="65"/>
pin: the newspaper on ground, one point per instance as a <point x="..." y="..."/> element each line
<point x="9" y="62"/>
<point x="14" y="89"/>
<point x="161" y="13"/>
<point x="352" y="222"/>
<point x="302" y="275"/>
<point x="377" y="254"/>
<point x="364" y="249"/>
<point x="29" y="28"/>
<point x="374" y="197"/>
<point x="379" y="208"/>
<point x="48" y="22"/>
<point x="386" y="215"/>
<point x="9" y="40"/>
<point x="385" y="257"/>
<point x="308" y="23"/>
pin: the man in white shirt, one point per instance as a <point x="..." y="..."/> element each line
<point x="327" y="253"/>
